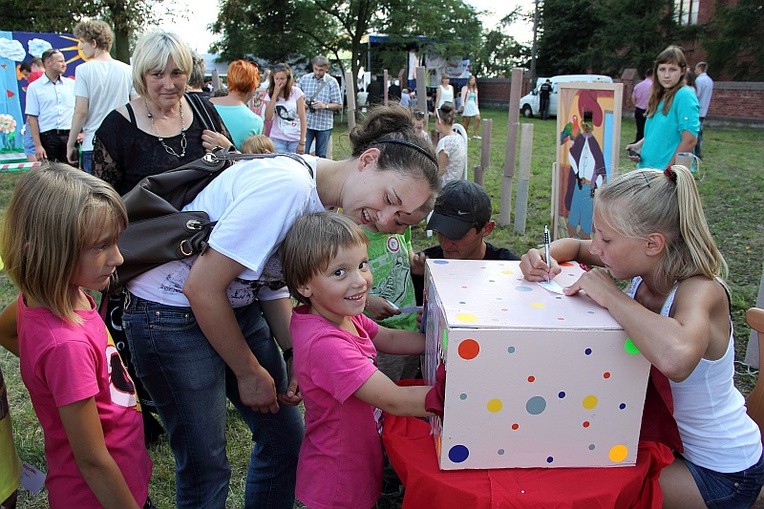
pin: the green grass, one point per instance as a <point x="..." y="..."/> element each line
<point x="733" y="193"/>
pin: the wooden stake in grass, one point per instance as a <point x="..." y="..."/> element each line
<point x="350" y="94"/>
<point x="526" y="149"/>
<point x="509" y="159"/>
<point x="485" y="151"/>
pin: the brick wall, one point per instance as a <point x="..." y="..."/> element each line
<point x="733" y="103"/>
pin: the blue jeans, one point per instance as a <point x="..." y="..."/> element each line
<point x="189" y="383"/>
<point x="728" y="491"/>
<point x="284" y="146"/>
<point x="87" y="161"/>
<point x="322" y="141"/>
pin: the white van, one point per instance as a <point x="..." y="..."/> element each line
<point x="530" y="104"/>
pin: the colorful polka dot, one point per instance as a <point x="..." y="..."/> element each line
<point x="588" y="351"/>
<point x="618" y="453"/>
<point x="561" y="394"/>
<point x="458" y="453"/>
<point x="622" y="406"/>
<point x="538" y="305"/>
<point x="465" y="317"/>
<point x="469" y="349"/>
<point x="606" y="375"/>
<point x="550" y="459"/>
<point x="511" y="349"/>
<point x="510" y="272"/>
<point x="630" y="347"/>
<point x="535" y="405"/>
<point x="589" y="402"/>
<point x="444" y="340"/>
<point x="561" y="318"/>
<point x="463" y="396"/>
<point x="592" y="447"/>
<point x="494" y="405"/>
<point x="523" y="288"/>
<point x="515" y="426"/>
<point x="566" y="264"/>
<point x="440" y="262"/>
<point x="586" y="424"/>
<point x="500" y="452"/>
<point x="531" y="379"/>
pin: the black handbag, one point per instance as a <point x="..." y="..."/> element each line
<point x="158" y="232"/>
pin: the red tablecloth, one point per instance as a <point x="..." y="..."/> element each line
<point x="411" y="450"/>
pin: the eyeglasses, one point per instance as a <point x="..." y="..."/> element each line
<point x="282" y="112"/>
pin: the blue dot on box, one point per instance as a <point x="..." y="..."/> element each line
<point x="522" y="288"/>
<point x="458" y="453"/>
<point x="440" y="262"/>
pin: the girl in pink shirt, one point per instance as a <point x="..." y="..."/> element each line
<point x="58" y="238"/>
<point x="335" y="350"/>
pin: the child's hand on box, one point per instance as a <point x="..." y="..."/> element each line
<point x="435" y="400"/>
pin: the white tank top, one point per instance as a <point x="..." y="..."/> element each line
<point x="446" y="95"/>
<point x="714" y="427"/>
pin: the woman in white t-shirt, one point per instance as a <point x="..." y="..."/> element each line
<point x="197" y="327"/>
<point x="286" y="111"/>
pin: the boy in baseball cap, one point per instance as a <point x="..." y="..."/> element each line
<point x="462" y="221"/>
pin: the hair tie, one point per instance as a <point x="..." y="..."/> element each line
<point x="670" y="174"/>
<point x="410" y="145"/>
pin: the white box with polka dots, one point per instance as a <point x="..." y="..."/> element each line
<point x="533" y="378"/>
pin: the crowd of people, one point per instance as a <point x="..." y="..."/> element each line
<point x="221" y="327"/>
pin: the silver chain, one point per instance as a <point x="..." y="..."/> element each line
<point x="183" y="140"/>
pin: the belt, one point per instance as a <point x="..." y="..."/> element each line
<point x="58" y="132"/>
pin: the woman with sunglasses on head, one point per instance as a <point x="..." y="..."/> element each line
<point x="673" y="114"/>
<point x="202" y="329"/>
<point x="285" y="108"/>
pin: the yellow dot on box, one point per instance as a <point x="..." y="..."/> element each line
<point x="538" y="305"/>
<point x="618" y="453"/>
<point x="464" y="317"/>
<point x="494" y="405"/>
<point x="589" y="402"/>
<point x="510" y="272"/>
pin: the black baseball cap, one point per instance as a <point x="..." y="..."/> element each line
<point x="461" y="205"/>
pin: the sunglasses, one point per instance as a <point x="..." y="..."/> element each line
<point x="419" y="115"/>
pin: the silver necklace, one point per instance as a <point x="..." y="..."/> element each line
<point x="183" y="140"/>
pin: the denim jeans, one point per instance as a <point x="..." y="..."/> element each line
<point x="284" y="146"/>
<point x="86" y="161"/>
<point x="728" y="491"/>
<point x="189" y="383"/>
<point x="322" y="141"/>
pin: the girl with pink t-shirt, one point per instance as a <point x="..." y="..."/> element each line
<point x="335" y="349"/>
<point x="59" y="237"/>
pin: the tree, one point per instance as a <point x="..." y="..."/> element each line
<point x="500" y="53"/>
<point x="278" y="30"/>
<point x="732" y="40"/>
<point x="606" y="36"/>
<point x="124" y="16"/>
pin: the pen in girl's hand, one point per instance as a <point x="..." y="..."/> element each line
<point x="546" y="250"/>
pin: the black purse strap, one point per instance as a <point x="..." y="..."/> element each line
<point x="229" y="154"/>
<point x="200" y="111"/>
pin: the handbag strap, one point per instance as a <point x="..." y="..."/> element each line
<point x="200" y="111"/>
<point x="229" y="154"/>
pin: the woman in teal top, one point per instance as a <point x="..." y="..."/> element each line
<point x="673" y="114"/>
<point x="241" y="122"/>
